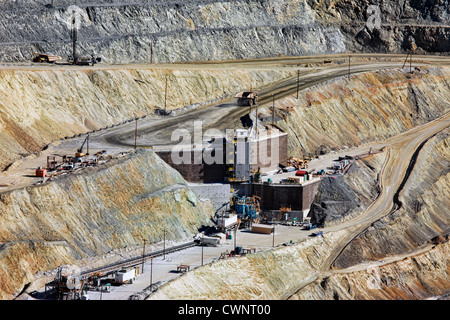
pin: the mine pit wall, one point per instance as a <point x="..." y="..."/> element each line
<point x="38" y="107"/>
<point x="163" y="32"/>
<point x="415" y="277"/>
<point x="179" y="31"/>
<point x="291" y="272"/>
<point x="94" y="212"/>
<point x="346" y="112"/>
<point x="423" y="215"/>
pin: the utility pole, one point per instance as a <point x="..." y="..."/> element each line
<point x="151" y="273"/>
<point x="165" y="97"/>
<point x="235" y="231"/>
<point x="87" y="144"/>
<point x="273" y="239"/>
<point x="256" y="117"/>
<point x="349" y="66"/>
<point x="151" y="52"/>
<point x="298" y="81"/>
<point x="410" y="60"/>
<point x="135" y="134"/>
<point x="143" y="257"/>
<point x="273" y="109"/>
<point x="202" y="248"/>
<point x="74" y="38"/>
<point x="164" y="244"/>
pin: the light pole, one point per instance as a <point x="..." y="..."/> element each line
<point x="164" y="244"/>
<point x="273" y="109"/>
<point x="135" y="134"/>
<point x="349" y="66"/>
<point x="143" y="256"/>
<point x="273" y="239"/>
<point x="202" y="247"/>
<point x="151" y="273"/>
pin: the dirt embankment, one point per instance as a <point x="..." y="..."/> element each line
<point x="167" y="31"/>
<point x="415" y="277"/>
<point x="91" y="213"/>
<point x="399" y="257"/>
<point x="421" y="220"/>
<point x="364" y="108"/>
<point x="342" y="197"/>
<point x="38" y="107"/>
<point x="423" y="214"/>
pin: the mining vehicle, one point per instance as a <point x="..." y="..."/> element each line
<point x="84" y="61"/>
<point x="46" y="57"/>
<point x="247" y="98"/>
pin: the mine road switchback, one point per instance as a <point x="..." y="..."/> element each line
<point x="399" y="150"/>
<point x="156" y="130"/>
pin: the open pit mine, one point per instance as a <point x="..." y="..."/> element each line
<point x="224" y="150"/>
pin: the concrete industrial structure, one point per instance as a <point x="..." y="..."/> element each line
<point x="237" y="157"/>
<point x="229" y="159"/>
<point x="296" y="196"/>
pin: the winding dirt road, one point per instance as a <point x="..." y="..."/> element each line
<point x="401" y="151"/>
<point x="156" y="130"/>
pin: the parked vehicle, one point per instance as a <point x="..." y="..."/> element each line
<point x="125" y="276"/>
<point x="309" y="226"/>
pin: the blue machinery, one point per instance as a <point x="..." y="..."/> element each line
<point x="247" y="208"/>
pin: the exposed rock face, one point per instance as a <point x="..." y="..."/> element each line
<point x="423" y="213"/>
<point x="418" y="277"/>
<point x="294" y="272"/>
<point x="175" y="31"/>
<point x="342" y="197"/>
<point x="422" y="219"/>
<point x="84" y="215"/>
<point x="368" y="107"/>
<point x="389" y="25"/>
<point x="38" y="107"/>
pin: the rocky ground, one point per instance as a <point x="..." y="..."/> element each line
<point x="393" y="101"/>
<point x="180" y="31"/>
<point x="403" y="255"/>
<point x="86" y="214"/>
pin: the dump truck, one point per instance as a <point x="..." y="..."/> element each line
<point x="46" y="57"/>
<point x="247" y="98"/>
